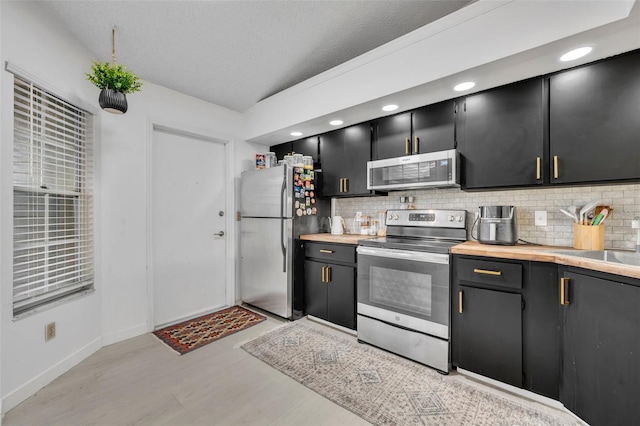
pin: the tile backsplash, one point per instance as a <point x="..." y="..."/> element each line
<point x="624" y="198"/>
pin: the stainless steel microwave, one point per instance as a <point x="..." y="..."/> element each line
<point x="431" y="170"/>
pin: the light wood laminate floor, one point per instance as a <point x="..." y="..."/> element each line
<point x="142" y="381"/>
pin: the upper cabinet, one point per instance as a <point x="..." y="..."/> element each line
<point x="594" y="121"/>
<point x="306" y="146"/>
<point x="345" y="153"/>
<point x="426" y="129"/>
<point x="501" y="136"/>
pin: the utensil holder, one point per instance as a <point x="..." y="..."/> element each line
<point x="587" y="237"/>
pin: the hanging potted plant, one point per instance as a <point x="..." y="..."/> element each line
<point x="115" y="81"/>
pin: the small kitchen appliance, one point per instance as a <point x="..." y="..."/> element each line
<point x="498" y="225"/>
<point x="403" y="284"/>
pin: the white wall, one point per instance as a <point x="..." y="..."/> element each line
<point x="119" y="307"/>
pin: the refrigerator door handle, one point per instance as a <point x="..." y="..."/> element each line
<point x="282" y="241"/>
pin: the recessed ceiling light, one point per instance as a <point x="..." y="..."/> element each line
<point x="390" y="107"/>
<point x="576" y="53"/>
<point x="296" y="133"/>
<point x="464" y="86"/>
<point x="336" y="122"/>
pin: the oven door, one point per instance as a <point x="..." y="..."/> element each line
<point x="405" y="288"/>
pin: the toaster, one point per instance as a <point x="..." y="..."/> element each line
<point x="498" y="225"/>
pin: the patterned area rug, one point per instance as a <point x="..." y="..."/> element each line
<point x="195" y="333"/>
<point x="385" y="389"/>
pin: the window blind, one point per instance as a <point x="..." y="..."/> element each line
<point x="52" y="198"/>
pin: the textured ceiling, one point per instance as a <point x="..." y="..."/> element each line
<point x="236" y="53"/>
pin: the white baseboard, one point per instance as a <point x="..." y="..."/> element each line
<point x="23" y="392"/>
<point x="128" y="333"/>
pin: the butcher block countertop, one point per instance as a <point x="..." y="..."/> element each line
<point x="334" y="238"/>
<point x="542" y="254"/>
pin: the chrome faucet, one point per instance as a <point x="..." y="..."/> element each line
<point x="635" y="224"/>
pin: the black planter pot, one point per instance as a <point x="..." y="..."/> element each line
<point x="112" y="101"/>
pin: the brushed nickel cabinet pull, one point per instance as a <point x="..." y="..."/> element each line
<point x="341" y="184"/>
<point x="538" y="161"/>
<point x="328" y="274"/>
<point x="406" y="145"/>
<point x="460" y="301"/>
<point x="555" y="167"/>
<point x="323" y="274"/>
<point x="326" y="251"/>
<point x="563" y="291"/>
<point x="487" y="272"/>
<point x="416" y="145"/>
<point x="346" y="184"/>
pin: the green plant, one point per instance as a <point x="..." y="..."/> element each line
<point x="108" y="75"/>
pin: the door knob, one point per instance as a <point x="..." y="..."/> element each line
<point x="219" y="234"/>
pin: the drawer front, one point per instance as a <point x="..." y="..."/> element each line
<point x="330" y="252"/>
<point x="489" y="272"/>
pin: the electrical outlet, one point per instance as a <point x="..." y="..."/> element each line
<point x="541" y="218"/>
<point x="50" y="331"/>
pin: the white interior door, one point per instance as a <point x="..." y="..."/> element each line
<point x="188" y="210"/>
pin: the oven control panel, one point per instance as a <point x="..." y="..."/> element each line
<point x="427" y="218"/>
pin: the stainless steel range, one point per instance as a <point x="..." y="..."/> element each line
<point x="403" y="284"/>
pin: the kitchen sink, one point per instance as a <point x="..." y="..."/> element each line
<point x="613" y="256"/>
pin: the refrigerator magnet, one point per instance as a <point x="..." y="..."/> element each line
<point x="299" y="212"/>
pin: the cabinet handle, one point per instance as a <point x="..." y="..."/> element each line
<point x="460" y="301"/>
<point x="341" y="180"/>
<point x="416" y="145"/>
<point x="563" y="291"/>
<point x="328" y="274"/>
<point x="487" y="272"/>
<point x="555" y="167"/>
<point x="346" y="184"/>
<point x="326" y="251"/>
<point x="538" y="161"/>
<point x="406" y="145"/>
<point x="323" y="274"/>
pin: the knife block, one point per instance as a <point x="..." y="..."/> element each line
<point x="587" y="237"/>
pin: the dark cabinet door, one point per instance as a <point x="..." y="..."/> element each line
<point x="341" y="295"/>
<point x="332" y="148"/>
<point x="281" y="149"/>
<point x="601" y="356"/>
<point x="307" y="146"/>
<point x="490" y="334"/>
<point x="393" y="136"/>
<point x="503" y="138"/>
<point x="594" y="121"/>
<point x="357" y="152"/>
<point x="433" y="128"/>
<point x="315" y="290"/>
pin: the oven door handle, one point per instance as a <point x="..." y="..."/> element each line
<point x="415" y="256"/>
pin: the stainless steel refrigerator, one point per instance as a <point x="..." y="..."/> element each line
<point x="277" y="205"/>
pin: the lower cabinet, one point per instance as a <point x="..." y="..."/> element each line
<point x="490" y="334"/>
<point x="504" y="322"/>
<point x="601" y="347"/>
<point x="330" y="283"/>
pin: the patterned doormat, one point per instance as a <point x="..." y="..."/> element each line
<point x="195" y="333"/>
<point x="385" y="389"/>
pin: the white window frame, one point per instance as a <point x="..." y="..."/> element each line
<point x="53" y="247"/>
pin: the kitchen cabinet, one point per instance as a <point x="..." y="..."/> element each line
<point x="427" y="129"/>
<point x="601" y="347"/>
<point x="330" y="282"/>
<point x="594" y="121"/>
<point x="307" y="146"/>
<point x="501" y="136"/>
<point x="345" y="153"/>
<point x="504" y="323"/>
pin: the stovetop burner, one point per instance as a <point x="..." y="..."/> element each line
<point x="434" y="231"/>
